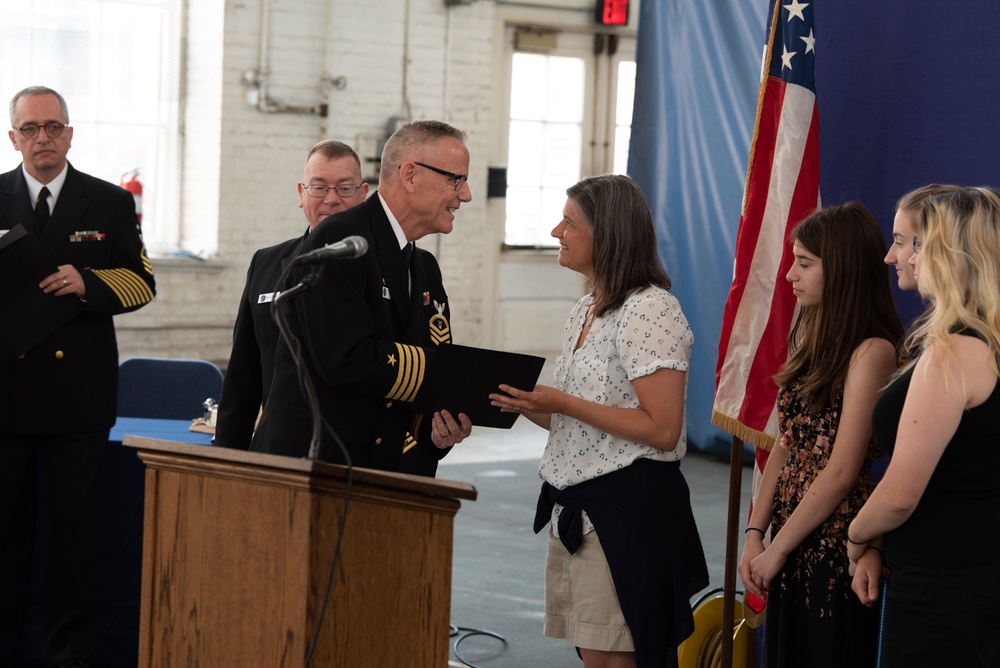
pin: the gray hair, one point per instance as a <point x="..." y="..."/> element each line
<point x="32" y="91"/>
<point x="411" y="136"/>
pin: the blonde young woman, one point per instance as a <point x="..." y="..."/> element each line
<point x="904" y="232"/>
<point x="938" y="506"/>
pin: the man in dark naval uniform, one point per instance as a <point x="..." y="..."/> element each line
<point x="332" y="183"/>
<point x="58" y="398"/>
<point x="370" y="325"/>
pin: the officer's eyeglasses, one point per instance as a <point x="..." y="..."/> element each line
<point x="52" y="130"/>
<point x="343" y="190"/>
<point x="458" y="178"/>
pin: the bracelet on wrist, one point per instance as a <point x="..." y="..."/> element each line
<point x="877" y="549"/>
<point x="854" y="542"/>
<point x="749" y="529"/>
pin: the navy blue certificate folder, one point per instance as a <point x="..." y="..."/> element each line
<point x="28" y="315"/>
<point x="461" y="378"/>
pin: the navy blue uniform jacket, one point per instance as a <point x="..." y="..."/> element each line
<point x="94" y="228"/>
<point x="367" y="346"/>
<point x="255" y="339"/>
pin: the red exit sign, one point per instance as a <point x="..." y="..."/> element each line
<point x="612" y="12"/>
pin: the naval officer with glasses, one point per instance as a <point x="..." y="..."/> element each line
<point x="369" y="327"/>
<point x="331" y="183"/>
<point x="58" y="398"/>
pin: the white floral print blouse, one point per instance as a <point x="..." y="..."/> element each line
<point x="649" y="332"/>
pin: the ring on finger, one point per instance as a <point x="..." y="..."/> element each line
<point x="65" y="282"/>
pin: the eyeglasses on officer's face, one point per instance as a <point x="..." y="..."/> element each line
<point x="458" y="178"/>
<point x="342" y="190"/>
<point x="52" y="129"/>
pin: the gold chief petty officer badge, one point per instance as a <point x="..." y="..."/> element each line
<point x="440" y="330"/>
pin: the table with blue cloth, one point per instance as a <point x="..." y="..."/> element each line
<point x="167" y="430"/>
<point x="121" y="490"/>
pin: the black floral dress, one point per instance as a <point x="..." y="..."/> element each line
<point x="813" y="618"/>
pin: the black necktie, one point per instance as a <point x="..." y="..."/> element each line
<point x="407" y="254"/>
<point x="42" y="209"/>
<point x="405" y="301"/>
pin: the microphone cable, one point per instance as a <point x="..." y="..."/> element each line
<point x="464" y="632"/>
<point x="306" y="385"/>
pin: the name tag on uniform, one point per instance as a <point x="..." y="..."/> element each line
<point x="267" y="297"/>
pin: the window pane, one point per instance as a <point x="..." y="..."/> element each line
<point x="524" y="153"/>
<point x="626" y="93"/>
<point x="544" y="144"/>
<point x="623" y="114"/>
<point x="524" y="208"/>
<point x="527" y="98"/>
<point x="565" y="90"/>
<point x="623" y="134"/>
<point x="117" y="63"/>
<point x="562" y="155"/>
<point x="131" y="50"/>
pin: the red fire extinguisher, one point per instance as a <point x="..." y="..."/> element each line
<point x="130" y="182"/>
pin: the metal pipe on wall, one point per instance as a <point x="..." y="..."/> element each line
<point x="256" y="81"/>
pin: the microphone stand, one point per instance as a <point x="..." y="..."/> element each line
<point x="307" y="283"/>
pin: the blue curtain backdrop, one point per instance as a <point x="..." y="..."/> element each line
<point x="697" y="74"/>
<point x="907" y="93"/>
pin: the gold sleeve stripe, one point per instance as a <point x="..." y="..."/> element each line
<point x="127" y="286"/>
<point x="408" y="442"/>
<point x="146" y="264"/>
<point x="409" y="373"/>
<point x="415" y="371"/>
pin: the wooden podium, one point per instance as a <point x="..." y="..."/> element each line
<point x="237" y="549"/>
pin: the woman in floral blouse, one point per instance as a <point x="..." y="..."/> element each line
<point x="842" y="351"/>
<point x="624" y="554"/>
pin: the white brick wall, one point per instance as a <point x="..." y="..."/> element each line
<point x="241" y="165"/>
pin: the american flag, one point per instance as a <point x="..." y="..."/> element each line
<point x="782" y="188"/>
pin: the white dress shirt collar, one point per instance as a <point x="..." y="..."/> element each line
<point x="400" y="237"/>
<point x="54" y="186"/>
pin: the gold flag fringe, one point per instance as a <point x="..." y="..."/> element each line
<point x="746" y="434"/>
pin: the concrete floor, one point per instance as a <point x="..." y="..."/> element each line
<point x="498" y="567"/>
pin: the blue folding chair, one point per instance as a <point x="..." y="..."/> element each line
<point x="166" y="389"/>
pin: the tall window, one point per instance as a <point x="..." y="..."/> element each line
<point x="623" y="114"/>
<point x="117" y="63"/>
<point x="570" y="117"/>
<point x="545" y="136"/>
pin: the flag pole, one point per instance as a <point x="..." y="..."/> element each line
<point x="732" y="540"/>
<point x="736" y="448"/>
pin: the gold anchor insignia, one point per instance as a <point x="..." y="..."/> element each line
<point x="439" y="327"/>
<point x="392" y="360"/>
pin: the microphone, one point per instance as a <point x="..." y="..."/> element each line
<point x="350" y="247"/>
